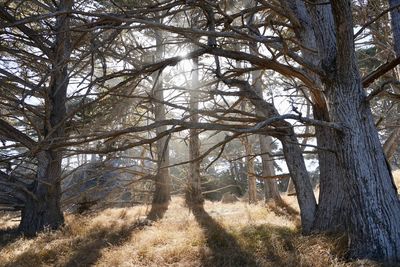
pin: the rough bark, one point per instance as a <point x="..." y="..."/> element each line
<point x="298" y="172"/>
<point x="391" y="144"/>
<point x="372" y="207"/>
<point x="43" y="210"/>
<point x="330" y="213"/>
<point x="329" y="216"/>
<point x="162" y="193"/>
<point x="194" y="197"/>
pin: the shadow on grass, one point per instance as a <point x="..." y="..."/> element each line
<point x="281" y="208"/>
<point x="82" y="250"/>
<point x="272" y="245"/>
<point x="225" y="250"/>
<point x="8" y="236"/>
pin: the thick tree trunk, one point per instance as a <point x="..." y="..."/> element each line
<point x="372" y="206"/>
<point x="194" y="197"/>
<point x="329" y="216"/>
<point x="391" y="144"/>
<point x="162" y="193"/>
<point x="43" y="210"/>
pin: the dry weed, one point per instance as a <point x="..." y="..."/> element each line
<point x="236" y="234"/>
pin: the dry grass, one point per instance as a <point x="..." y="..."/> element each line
<point x="396" y="177"/>
<point x="225" y="235"/>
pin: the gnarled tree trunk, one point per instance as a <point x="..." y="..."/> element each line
<point x="372" y="208"/>
<point x="391" y="144"/>
<point x="43" y="209"/>
<point x="329" y="215"/>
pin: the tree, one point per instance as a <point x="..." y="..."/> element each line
<point x="162" y="193"/>
<point x="41" y="208"/>
<point x="366" y="181"/>
<point x="194" y="197"/>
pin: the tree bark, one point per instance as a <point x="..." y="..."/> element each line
<point x="44" y="210"/>
<point x="298" y="172"/>
<point x="162" y="193"/>
<point x="395" y="21"/>
<point x="391" y="144"/>
<point x="372" y="208"/>
<point x="329" y="216"/>
<point x="270" y="187"/>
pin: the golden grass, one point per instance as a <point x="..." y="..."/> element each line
<point x="396" y="177"/>
<point x="234" y="234"/>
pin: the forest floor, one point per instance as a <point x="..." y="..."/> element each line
<point x="236" y="234"/>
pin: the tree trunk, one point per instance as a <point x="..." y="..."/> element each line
<point x="291" y="190"/>
<point x="329" y="216"/>
<point x="162" y="193"/>
<point x="391" y="144"/>
<point x="298" y="172"/>
<point x="294" y="160"/>
<point x="395" y="21"/>
<point x="372" y="208"/>
<point x="43" y="210"/>
<point x="292" y="152"/>
<point x="194" y="197"/>
<point x="251" y="179"/>
<point x="270" y="186"/>
<point x="330" y="213"/>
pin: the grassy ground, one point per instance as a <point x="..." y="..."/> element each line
<point x="225" y="235"/>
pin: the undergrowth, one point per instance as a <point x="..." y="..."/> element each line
<point x="234" y="234"/>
